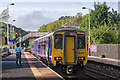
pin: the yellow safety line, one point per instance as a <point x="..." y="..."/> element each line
<point x="35" y="71"/>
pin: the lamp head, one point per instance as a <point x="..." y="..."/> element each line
<point x="14" y="20"/>
<point x="83" y="7"/>
<point x="12" y="4"/>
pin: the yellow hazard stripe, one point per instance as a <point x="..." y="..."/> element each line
<point x="35" y="71"/>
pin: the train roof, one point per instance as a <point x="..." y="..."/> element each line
<point x="62" y="29"/>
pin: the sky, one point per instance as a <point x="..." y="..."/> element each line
<point x="30" y="15"/>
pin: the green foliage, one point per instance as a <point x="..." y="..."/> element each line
<point x="66" y="17"/>
<point x="54" y="25"/>
<point x="18" y="30"/>
<point x="30" y="40"/>
<point x="99" y="15"/>
<point x="104" y="35"/>
<point x="104" y="24"/>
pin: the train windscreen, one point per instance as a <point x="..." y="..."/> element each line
<point x="81" y="41"/>
<point x="58" y="41"/>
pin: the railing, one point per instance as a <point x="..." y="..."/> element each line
<point x="3" y="50"/>
<point x="32" y="35"/>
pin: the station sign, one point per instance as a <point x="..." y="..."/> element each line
<point x="93" y="48"/>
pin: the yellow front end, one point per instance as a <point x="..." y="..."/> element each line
<point x="71" y="57"/>
<point x="83" y="52"/>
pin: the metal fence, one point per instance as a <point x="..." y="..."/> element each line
<point x="3" y="50"/>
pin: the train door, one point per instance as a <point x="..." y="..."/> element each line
<point x="49" y="49"/>
<point x="48" y="53"/>
<point x="70" y="49"/>
<point x="36" y="46"/>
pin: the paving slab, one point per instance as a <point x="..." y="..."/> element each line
<point x="11" y="71"/>
<point x="31" y="69"/>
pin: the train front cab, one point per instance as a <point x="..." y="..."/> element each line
<point x="70" y="50"/>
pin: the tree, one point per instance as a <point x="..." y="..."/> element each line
<point x="104" y="35"/>
<point x="43" y="28"/>
<point x="99" y="15"/>
<point x="113" y="17"/>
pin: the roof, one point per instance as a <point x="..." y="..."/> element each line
<point x="71" y="23"/>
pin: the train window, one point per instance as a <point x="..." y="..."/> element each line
<point x="81" y="41"/>
<point x="38" y="45"/>
<point x="58" y="41"/>
<point x="45" y="45"/>
<point x="33" y="45"/>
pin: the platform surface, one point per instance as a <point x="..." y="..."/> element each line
<point x="31" y="69"/>
<point x="115" y="62"/>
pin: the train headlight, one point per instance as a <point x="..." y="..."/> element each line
<point x="81" y="58"/>
<point x="58" y="58"/>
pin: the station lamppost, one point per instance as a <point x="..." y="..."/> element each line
<point x="13" y="29"/>
<point x="13" y="37"/>
<point x="89" y="29"/>
<point x="8" y="27"/>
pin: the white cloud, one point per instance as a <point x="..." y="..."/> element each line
<point x="32" y="22"/>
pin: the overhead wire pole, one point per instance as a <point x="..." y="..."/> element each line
<point x="8" y="28"/>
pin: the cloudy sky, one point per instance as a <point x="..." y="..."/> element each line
<point x="32" y="14"/>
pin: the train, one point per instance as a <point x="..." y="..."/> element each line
<point x="65" y="48"/>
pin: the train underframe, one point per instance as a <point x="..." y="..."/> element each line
<point x="68" y="70"/>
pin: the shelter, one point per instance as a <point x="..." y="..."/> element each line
<point x="71" y="24"/>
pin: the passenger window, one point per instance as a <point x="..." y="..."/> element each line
<point x="33" y="45"/>
<point x="58" y="41"/>
<point x="38" y="45"/>
<point x="81" y="41"/>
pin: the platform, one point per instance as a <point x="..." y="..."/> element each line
<point x="115" y="62"/>
<point x="31" y="69"/>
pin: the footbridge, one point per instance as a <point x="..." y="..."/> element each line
<point x="32" y="35"/>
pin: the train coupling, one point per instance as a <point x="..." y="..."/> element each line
<point x="69" y="69"/>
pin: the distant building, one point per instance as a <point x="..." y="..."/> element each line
<point x="71" y="24"/>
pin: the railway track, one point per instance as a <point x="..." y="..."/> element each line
<point x="98" y="75"/>
<point x="88" y="74"/>
<point x="68" y="77"/>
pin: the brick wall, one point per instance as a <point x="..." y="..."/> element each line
<point x="109" y="50"/>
